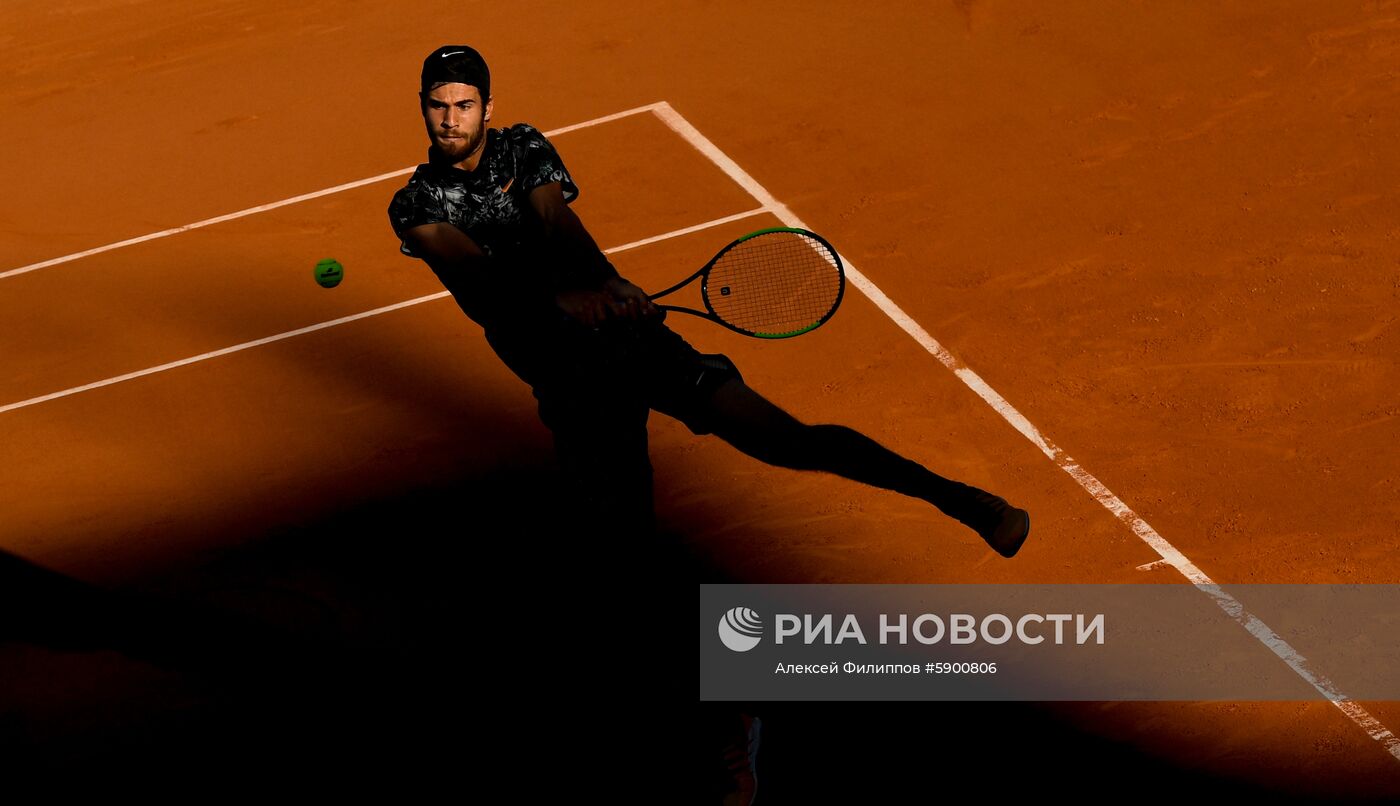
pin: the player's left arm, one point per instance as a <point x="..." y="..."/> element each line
<point x="587" y="270"/>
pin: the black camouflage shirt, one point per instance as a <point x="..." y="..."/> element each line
<point x="491" y="205"/>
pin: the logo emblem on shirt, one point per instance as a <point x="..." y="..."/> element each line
<point x="509" y="182"/>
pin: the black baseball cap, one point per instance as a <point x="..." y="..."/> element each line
<point x="456" y="64"/>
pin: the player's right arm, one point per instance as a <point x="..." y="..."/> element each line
<point x="445" y="248"/>
<point x="450" y="252"/>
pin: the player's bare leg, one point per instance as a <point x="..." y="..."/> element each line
<point x="761" y="429"/>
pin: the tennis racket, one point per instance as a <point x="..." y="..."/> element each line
<point x="771" y="284"/>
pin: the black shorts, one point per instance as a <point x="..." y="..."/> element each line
<point x="617" y="372"/>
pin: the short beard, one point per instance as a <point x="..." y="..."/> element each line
<point x="464" y="148"/>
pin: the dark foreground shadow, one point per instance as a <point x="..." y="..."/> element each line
<point x="413" y="641"/>
<point x="430" y="643"/>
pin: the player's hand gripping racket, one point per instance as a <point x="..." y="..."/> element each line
<point x="771" y="284"/>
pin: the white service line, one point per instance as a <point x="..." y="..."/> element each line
<point x="599" y="121"/>
<point x="262" y="208"/>
<point x="687" y="230"/>
<point x="194" y="359"/>
<point x="1170" y="554"/>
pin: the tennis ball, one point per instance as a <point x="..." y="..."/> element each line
<point x="329" y="272"/>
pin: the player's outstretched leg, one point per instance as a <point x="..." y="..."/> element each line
<point x="757" y="427"/>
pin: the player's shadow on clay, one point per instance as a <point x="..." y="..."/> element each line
<point x="323" y="643"/>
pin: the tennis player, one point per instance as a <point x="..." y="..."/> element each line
<point x="489" y="213"/>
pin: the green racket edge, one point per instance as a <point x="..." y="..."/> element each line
<point x="787" y="334"/>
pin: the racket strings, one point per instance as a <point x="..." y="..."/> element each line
<point x="774" y="283"/>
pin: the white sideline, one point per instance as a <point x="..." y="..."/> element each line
<point x="1170" y="554"/>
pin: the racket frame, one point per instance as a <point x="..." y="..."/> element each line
<point x="704" y="274"/>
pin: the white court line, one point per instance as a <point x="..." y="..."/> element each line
<point x="34" y="401"/>
<point x="1169" y="553"/>
<point x="262" y="208"/>
<point x="247" y="345"/>
<point x="687" y="230"/>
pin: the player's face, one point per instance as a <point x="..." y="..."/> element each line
<point x="456" y="119"/>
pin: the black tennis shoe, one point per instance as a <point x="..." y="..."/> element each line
<point x="1003" y="526"/>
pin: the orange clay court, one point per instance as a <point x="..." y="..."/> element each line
<point x="1163" y="238"/>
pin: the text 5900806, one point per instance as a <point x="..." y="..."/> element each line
<point x="940" y="667"/>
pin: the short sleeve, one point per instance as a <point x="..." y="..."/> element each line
<point x="539" y="163"/>
<point x="415" y="205"/>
